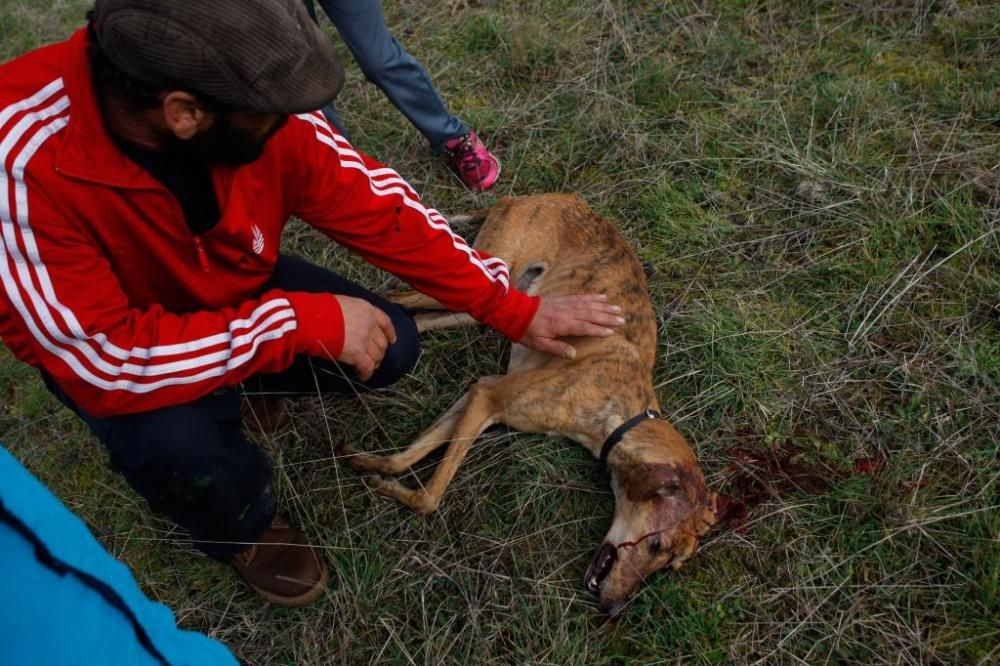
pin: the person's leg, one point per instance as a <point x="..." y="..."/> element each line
<point x="329" y="111"/>
<point x="387" y="64"/>
<point x="312" y="375"/>
<point x="193" y="464"/>
<point x="404" y="81"/>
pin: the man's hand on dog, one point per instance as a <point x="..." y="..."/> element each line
<point x="589" y="315"/>
<point x="368" y="331"/>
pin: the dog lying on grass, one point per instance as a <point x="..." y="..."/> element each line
<point x="602" y="398"/>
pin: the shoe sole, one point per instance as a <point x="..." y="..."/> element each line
<point x="303" y="599"/>
<point x="495" y="179"/>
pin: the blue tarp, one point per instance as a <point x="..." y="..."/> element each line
<point x="65" y="600"/>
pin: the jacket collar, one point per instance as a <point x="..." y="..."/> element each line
<point x="88" y="151"/>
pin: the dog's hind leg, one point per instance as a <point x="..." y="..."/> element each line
<point x="431" y="315"/>
<point x="432" y="321"/>
<point x="480" y="412"/>
<point x="428" y="313"/>
<point x="414" y="301"/>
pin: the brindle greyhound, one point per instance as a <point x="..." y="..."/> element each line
<point x="602" y="398"/>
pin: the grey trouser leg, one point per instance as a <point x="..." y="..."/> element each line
<point x="386" y="63"/>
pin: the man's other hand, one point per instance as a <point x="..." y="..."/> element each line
<point x="368" y="331"/>
<point x="587" y="314"/>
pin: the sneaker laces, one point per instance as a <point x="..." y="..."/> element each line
<point x="464" y="153"/>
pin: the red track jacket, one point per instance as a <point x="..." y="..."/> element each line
<point x="105" y="288"/>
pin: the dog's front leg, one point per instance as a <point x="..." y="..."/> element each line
<point x="479" y="413"/>
<point x="434" y="437"/>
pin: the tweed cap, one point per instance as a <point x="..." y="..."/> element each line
<point x="264" y="56"/>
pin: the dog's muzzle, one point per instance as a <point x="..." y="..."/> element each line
<point x="600" y="567"/>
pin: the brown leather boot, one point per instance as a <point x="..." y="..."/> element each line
<point x="283" y="567"/>
<point x="263" y="414"/>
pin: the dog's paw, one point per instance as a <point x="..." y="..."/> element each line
<point x="388" y="487"/>
<point x="357" y="459"/>
<point x="345" y="452"/>
<point x="375" y="481"/>
<point x="418" y="500"/>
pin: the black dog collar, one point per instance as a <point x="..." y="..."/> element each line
<point x="620" y="431"/>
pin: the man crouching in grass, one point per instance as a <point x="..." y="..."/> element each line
<point x="148" y="166"/>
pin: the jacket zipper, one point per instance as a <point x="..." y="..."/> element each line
<point x="202" y="255"/>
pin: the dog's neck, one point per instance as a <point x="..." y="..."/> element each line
<point x="652" y="441"/>
<point x="604" y="424"/>
<point x="631" y="450"/>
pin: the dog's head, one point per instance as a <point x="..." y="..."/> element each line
<point x="662" y="507"/>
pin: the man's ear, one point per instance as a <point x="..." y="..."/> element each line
<point x="183" y="115"/>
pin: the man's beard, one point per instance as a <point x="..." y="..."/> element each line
<point x="223" y="143"/>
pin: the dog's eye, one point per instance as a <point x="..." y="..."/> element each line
<point x="669" y="489"/>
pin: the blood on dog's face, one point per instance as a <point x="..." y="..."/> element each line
<point x="662" y="507"/>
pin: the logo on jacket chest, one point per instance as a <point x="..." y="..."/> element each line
<point x="258" y="240"/>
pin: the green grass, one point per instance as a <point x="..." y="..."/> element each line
<point x="815" y="188"/>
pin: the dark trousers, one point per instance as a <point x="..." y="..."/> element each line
<point x="193" y="463"/>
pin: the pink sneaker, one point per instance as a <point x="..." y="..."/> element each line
<point x="477" y="168"/>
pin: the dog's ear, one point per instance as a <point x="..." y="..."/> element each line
<point x="643" y="481"/>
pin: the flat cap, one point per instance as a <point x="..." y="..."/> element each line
<point x="264" y="56"/>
